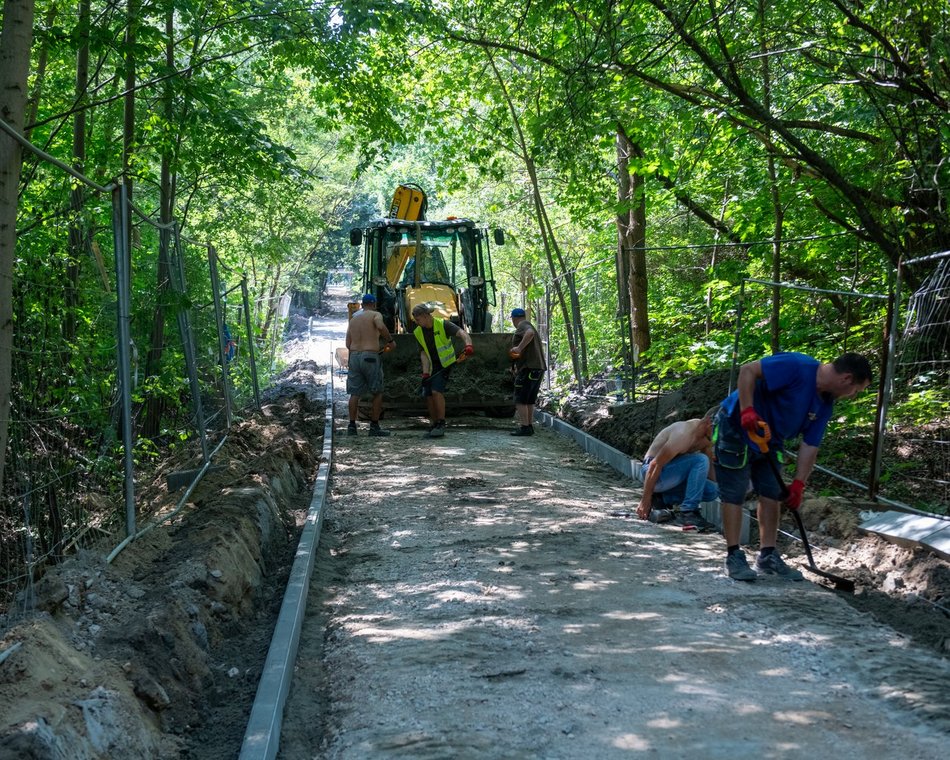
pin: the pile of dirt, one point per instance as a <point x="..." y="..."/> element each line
<point x="139" y="658"/>
<point x="631" y="427"/>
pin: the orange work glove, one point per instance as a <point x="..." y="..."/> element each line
<point x="468" y="350"/>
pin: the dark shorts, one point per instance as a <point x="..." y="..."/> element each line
<point x="364" y="373"/>
<point x="737" y="464"/>
<point x="437" y="383"/>
<point x="527" y="385"/>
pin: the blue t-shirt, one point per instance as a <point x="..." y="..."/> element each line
<point x="787" y="398"/>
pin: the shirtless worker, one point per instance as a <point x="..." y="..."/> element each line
<point x="678" y="466"/>
<point x="365" y="375"/>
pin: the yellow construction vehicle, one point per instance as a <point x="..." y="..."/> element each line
<point x="445" y="265"/>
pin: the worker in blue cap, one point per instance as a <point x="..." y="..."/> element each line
<point x="529" y="369"/>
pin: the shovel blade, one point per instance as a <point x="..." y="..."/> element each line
<point x="840" y="584"/>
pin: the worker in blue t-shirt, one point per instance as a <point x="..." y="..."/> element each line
<point x="777" y="398"/>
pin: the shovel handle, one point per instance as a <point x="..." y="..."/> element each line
<point x="842" y="584"/>
<point x="778" y="475"/>
<point x="762" y="436"/>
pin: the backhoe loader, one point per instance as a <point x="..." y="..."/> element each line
<point x="445" y="265"/>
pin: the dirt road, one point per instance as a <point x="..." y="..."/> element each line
<point x="474" y="598"/>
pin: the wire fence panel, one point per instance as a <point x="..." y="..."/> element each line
<point x="587" y="331"/>
<point x="74" y="478"/>
<point x="916" y="455"/>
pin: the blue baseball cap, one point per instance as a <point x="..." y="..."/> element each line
<point x="369" y="298"/>
<point x="517" y="313"/>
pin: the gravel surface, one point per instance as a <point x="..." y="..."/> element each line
<point x="475" y="598"/>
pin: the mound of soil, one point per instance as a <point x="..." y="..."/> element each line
<point x="142" y="657"/>
<point x="632" y="427"/>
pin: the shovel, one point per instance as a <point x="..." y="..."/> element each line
<point x="762" y="441"/>
<point x="458" y="360"/>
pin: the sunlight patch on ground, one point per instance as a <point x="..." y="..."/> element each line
<point x="403" y="633"/>
<point x="801" y="717"/>
<point x="632" y="615"/>
<point x="747" y="709"/>
<point x="664" y="723"/>
<point x="714" y="692"/>
<point x="631" y="741"/>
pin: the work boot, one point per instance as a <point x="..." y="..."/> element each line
<point x="376" y="430"/>
<point x="437" y="430"/>
<point x="523" y="430"/>
<point x="693" y="520"/>
<point x="660" y="515"/>
<point x="351" y="429"/>
<point x="773" y="564"/>
<point x="737" y="567"/>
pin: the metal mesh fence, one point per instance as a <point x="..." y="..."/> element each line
<point x="915" y="463"/>
<point x="593" y="337"/>
<point x="891" y="442"/>
<point x="128" y="345"/>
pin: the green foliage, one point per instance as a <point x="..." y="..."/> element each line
<point x="282" y="126"/>
<point x="924" y="400"/>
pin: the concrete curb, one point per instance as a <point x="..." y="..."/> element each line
<point x="607" y="454"/>
<point x="262" y="737"/>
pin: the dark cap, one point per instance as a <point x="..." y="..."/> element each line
<point x="421" y="308"/>
<point x="369" y="298"/>
<point x="517" y="313"/>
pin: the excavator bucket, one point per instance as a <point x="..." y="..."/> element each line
<point x="483" y="382"/>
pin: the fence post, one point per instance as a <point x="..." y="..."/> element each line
<point x="735" y="344"/>
<point x="250" y="341"/>
<point x="219" y="321"/>
<point x="551" y="354"/>
<point x="887" y="381"/>
<point x="120" y="234"/>
<point x="188" y="343"/>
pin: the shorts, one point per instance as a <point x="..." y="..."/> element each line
<point x="527" y="385"/>
<point x="737" y="464"/>
<point x="437" y="383"/>
<point x="364" y="374"/>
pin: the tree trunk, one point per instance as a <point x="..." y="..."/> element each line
<point x="774" y="194"/>
<point x="16" y="38"/>
<point x="155" y="405"/>
<point x="714" y="258"/>
<point x="39" y="77"/>
<point x="77" y="233"/>
<point x="631" y="241"/>
<point x="558" y="269"/>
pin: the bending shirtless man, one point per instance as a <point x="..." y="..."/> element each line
<point x="678" y="466"/>
<point x="365" y="374"/>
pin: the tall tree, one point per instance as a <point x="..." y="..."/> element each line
<point x="16" y="38"/>
<point x="631" y="240"/>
